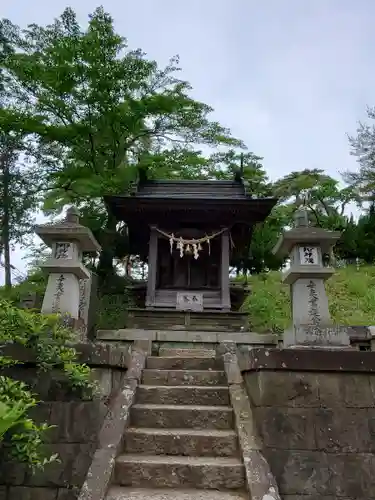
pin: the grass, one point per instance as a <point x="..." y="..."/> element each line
<point x="351" y="297"/>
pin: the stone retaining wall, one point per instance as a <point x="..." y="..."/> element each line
<point x="315" y="413"/>
<point x="75" y="437"/>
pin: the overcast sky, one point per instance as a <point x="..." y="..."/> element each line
<point x="291" y="78"/>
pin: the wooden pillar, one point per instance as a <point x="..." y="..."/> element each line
<point x="152" y="265"/>
<point x="225" y="294"/>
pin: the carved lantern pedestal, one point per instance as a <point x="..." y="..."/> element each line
<point x="67" y="276"/>
<point x="311" y="321"/>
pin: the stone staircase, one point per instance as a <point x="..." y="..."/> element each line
<point x="181" y="442"/>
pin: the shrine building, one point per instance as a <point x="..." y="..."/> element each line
<point x="190" y="232"/>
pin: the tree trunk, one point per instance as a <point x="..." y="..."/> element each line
<point x="5" y="233"/>
<point x="107" y="254"/>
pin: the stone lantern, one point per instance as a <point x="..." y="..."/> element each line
<point x="66" y="272"/>
<point x="312" y="325"/>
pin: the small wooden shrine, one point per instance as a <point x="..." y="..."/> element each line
<point x="189" y="232"/>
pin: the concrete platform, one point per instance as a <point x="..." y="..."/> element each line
<point x="185" y="442"/>
<point x="180" y="335"/>
<point x="184" y="377"/>
<point x="182" y="416"/>
<point x="162" y="471"/>
<point x="123" y="493"/>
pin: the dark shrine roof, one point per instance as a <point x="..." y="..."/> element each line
<point x="192" y="195"/>
<point x="189" y="203"/>
<point x="187" y="189"/>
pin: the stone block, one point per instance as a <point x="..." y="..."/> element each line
<point x="180" y="472"/>
<point x="283" y="389"/>
<point x="352" y="475"/>
<point x="103" y="377"/>
<point x="126" y="334"/>
<point x="99" y="475"/>
<point x="232" y="370"/>
<point x="158" y="346"/>
<point x="247" y="338"/>
<point x="29" y="493"/>
<point x="309" y="306"/>
<point x="301" y="472"/>
<point x="41" y="413"/>
<point x="103" y="354"/>
<point x="186" y="442"/>
<point x="372" y="384"/>
<point x="287" y="428"/>
<point x="313" y="497"/>
<point x="144" y="345"/>
<point x="157" y="363"/>
<point x="67" y="494"/>
<point x="176" y="352"/>
<point x="11" y="473"/>
<point x="62" y="292"/>
<point x="117" y="418"/>
<point x="342" y="430"/>
<point x="124" y="493"/>
<point x="136" y="364"/>
<point x="261" y="483"/>
<point x="75" y="460"/>
<point x="77" y="422"/>
<point x="181" y="377"/>
<point x="349" y="390"/>
<point x="168" y="395"/>
<point x="317" y="336"/>
<point x="370" y="419"/>
<point x="244" y="420"/>
<point x="322" y="497"/>
<point x="186" y="336"/>
<point x="226" y="347"/>
<point x="203" y="417"/>
<point x="308" y="360"/>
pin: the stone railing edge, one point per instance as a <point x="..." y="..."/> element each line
<point x="260" y="481"/>
<point x="100" y="473"/>
<point x="94" y="354"/>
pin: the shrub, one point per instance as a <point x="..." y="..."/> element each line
<point x="52" y="344"/>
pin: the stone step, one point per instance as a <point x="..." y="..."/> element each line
<point x="184" y="377"/>
<point x="124" y="493"/>
<point x="187" y="442"/>
<point x="215" y="473"/>
<point x="181" y="417"/>
<point x="175" y="363"/>
<point x="186" y="353"/>
<point x="183" y="395"/>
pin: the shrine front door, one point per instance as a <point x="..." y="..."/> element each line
<point x="186" y="272"/>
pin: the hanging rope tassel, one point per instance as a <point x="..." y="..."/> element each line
<point x="171" y="242"/>
<point x="188" y="246"/>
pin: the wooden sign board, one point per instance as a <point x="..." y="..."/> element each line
<point x="189" y="301"/>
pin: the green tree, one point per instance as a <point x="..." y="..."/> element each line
<point x="320" y="194"/>
<point x="348" y="246"/>
<point x="246" y="167"/>
<point x="363" y="148"/>
<point x="265" y="237"/>
<point x="19" y="192"/>
<point x="19" y="183"/>
<point x="366" y="236"/>
<point x="106" y="109"/>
